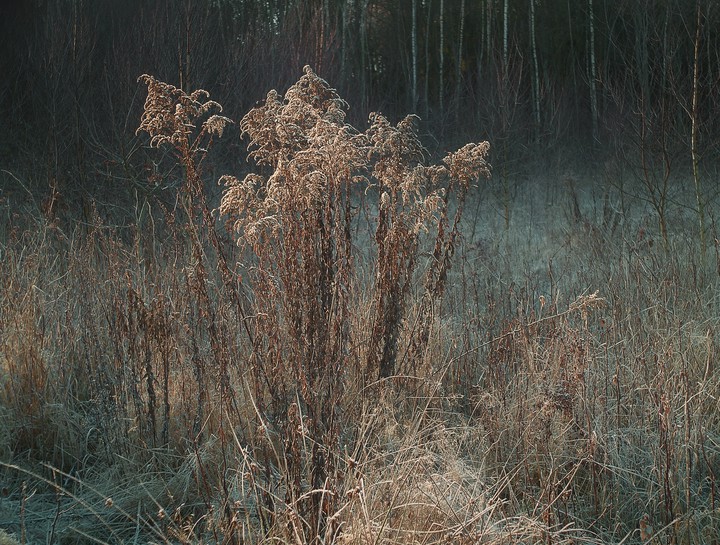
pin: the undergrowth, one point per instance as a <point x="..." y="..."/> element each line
<point x="329" y="357"/>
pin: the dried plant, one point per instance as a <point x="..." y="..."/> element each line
<point x="298" y="224"/>
<point x="170" y="116"/>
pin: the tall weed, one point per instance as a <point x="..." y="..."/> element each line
<point x="297" y="227"/>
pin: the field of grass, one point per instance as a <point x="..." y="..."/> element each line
<point x="375" y="351"/>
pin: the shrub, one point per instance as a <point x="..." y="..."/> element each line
<point x="298" y="228"/>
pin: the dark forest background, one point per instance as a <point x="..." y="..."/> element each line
<point x="564" y="81"/>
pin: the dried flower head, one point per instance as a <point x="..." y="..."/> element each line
<point x="469" y="163"/>
<point x="584" y="303"/>
<point x="314" y="155"/>
<point x="171" y="115"/>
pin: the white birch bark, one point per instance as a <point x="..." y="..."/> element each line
<point x="693" y="143"/>
<point x="505" y="36"/>
<point x="428" y="5"/>
<point x="414" y="55"/>
<point x="536" y="68"/>
<point x="460" y="41"/>
<point x="442" y="55"/>
<point x="593" y="72"/>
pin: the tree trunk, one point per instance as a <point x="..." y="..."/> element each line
<point x="414" y="56"/>
<point x="593" y="73"/>
<point x="505" y="37"/>
<point x="693" y="137"/>
<point x="441" y="82"/>
<point x="536" y="71"/>
<point x="364" y="55"/>
<point x="427" y="57"/>
<point x="458" y="67"/>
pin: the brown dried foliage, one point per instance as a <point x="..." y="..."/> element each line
<point x="299" y="224"/>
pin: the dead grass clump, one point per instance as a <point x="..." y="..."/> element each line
<point x="600" y="418"/>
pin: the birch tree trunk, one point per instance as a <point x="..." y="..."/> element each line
<point x="428" y="5"/>
<point x="488" y="29"/>
<point x="414" y="55"/>
<point x="364" y="53"/>
<point x="505" y="36"/>
<point x="441" y="82"/>
<point x="693" y="138"/>
<point x="458" y="67"/>
<point x="343" y="40"/>
<point x="593" y="72"/>
<point x="536" y="70"/>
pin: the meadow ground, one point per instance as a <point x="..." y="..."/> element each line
<point x="562" y="388"/>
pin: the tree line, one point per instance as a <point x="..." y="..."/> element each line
<point x="525" y="74"/>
